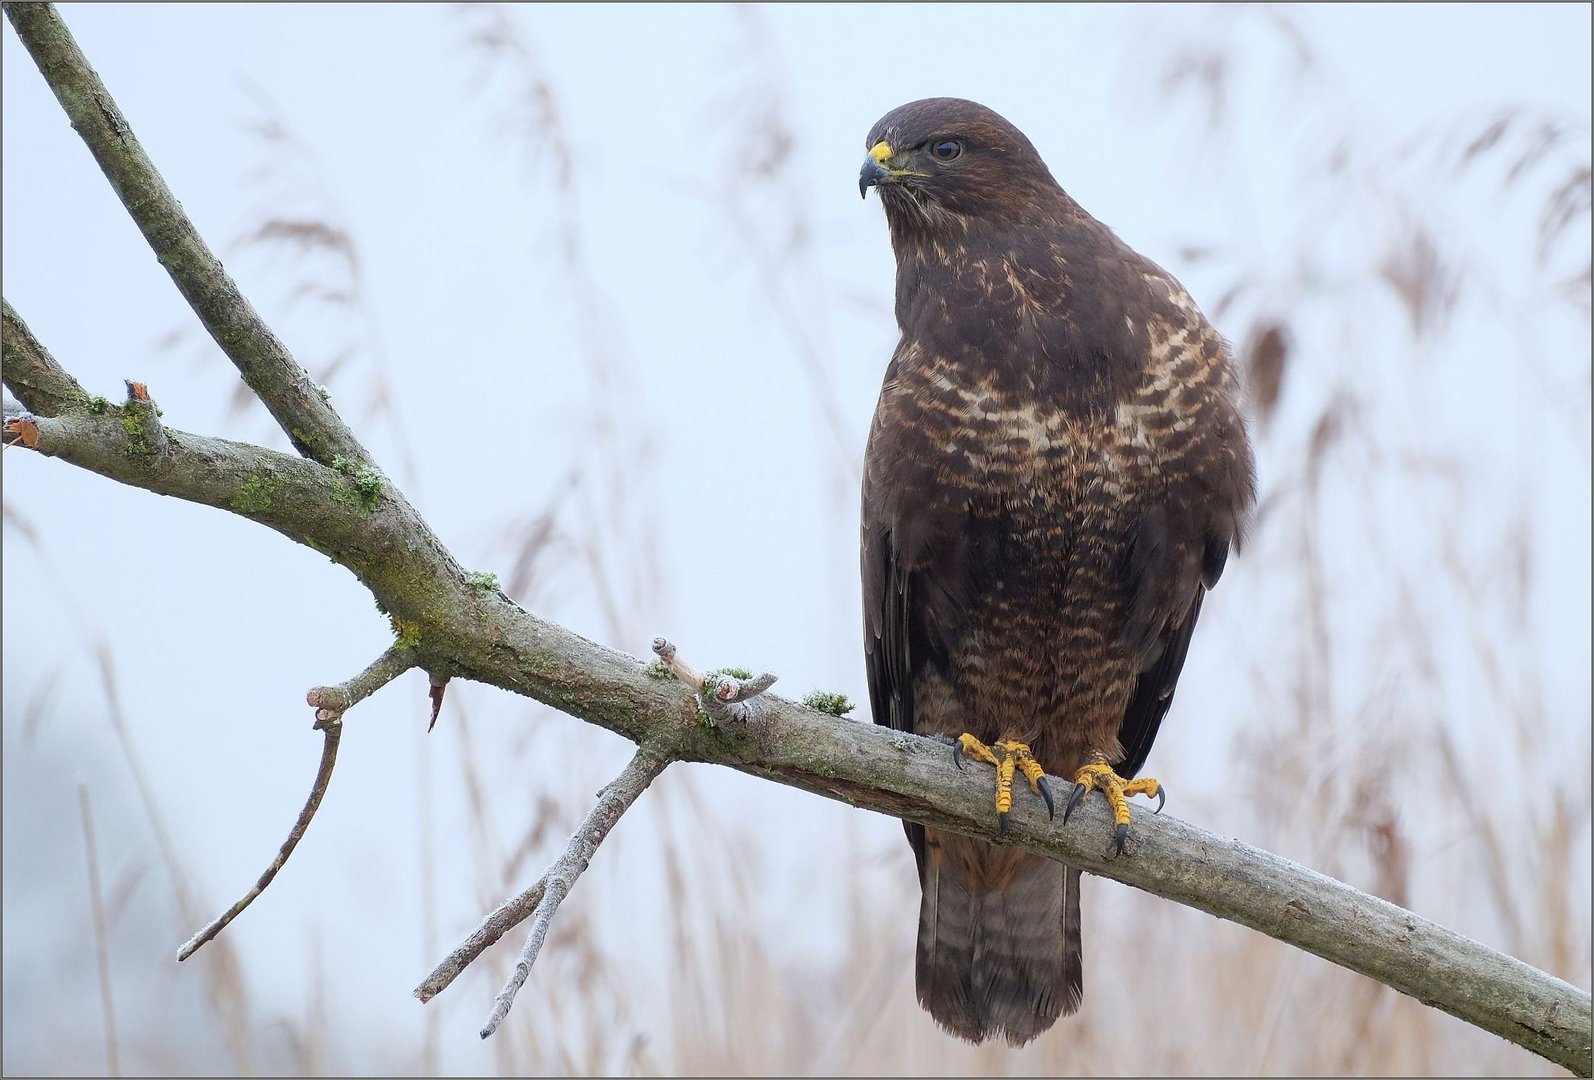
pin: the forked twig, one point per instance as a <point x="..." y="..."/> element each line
<point x="543" y="898"/>
<point x="727" y="698"/>
<point x="614" y="800"/>
<point x="723" y="696"/>
<point x="264" y="362"/>
<point x="504" y="918"/>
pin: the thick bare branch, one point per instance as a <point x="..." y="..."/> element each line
<point x="264" y="362"/>
<point x="32" y="373"/>
<point x="273" y="488"/>
<point x="349" y="513"/>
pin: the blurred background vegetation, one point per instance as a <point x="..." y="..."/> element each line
<point x="1391" y="685"/>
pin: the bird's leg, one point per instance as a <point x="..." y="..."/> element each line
<point x="1008" y="757"/>
<point x="1098" y="775"/>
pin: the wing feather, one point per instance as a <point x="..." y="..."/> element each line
<point x="1168" y="574"/>
<point x="886" y="641"/>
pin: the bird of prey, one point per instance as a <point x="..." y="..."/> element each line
<point x="1056" y="471"/>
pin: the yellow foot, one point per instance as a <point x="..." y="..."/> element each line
<point x="1098" y="776"/>
<point x="1014" y="756"/>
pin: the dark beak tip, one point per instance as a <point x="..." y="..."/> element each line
<point x="871" y="174"/>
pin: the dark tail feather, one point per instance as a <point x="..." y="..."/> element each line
<point x="1073" y="944"/>
<point x="999" y="940"/>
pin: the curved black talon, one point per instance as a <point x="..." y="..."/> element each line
<point x="957" y="754"/>
<point x="1001" y="824"/>
<point x="1073" y="801"/>
<point x="1120" y="835"/>
<point x="1162" y="797"/>
<point x="1046" y="793"/>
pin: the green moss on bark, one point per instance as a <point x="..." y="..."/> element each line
<point x="359" y="486"/>
<point x="827" y="702"/>
<point x="255" y="496"/>
<point x="407" y="634"/>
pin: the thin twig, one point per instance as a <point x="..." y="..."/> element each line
<point x="504" y="918"/>
<point x="294" y="400"/>
<point x="333" y="730"/>
<point x="102" y="950"/>
<point x="670" y="656"/>
<point x="330" y="703"/>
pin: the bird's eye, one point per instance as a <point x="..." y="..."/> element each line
<point x="947" y="149"/>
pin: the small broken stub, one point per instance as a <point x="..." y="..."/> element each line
<point x="22" y="430"/>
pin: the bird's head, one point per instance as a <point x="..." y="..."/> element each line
<point x="941" y="160"/>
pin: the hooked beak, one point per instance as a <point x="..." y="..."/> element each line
<point x="874" y="169"/>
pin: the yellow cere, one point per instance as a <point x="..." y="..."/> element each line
<point x="880" y="151"/>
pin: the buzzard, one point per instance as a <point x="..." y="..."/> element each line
<point x="1055" y="473"/>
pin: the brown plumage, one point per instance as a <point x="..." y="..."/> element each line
<point x="1055" y="474"/>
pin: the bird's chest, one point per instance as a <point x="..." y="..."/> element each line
<point x="990" y="450"/>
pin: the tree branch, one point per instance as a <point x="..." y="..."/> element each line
<point x="330" y="703"/>
<point x="502" y="919"/>
<point x="272" y="373"/>
<point x="332" y="730"/>
<point x="32" y="373"/>
<point x="551" y="889"/>
<point x="349" y="513"/>
<point x="456" y="628"/>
